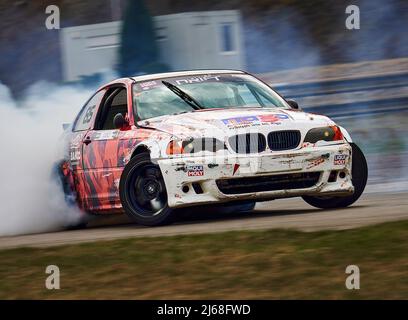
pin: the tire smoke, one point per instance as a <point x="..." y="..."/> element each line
<point x="30" y="200"/>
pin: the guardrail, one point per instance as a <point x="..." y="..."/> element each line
<point x="361" y="108"/>
<point x="350" y="85"/>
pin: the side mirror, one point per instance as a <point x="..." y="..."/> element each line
<point x="119" y="121"/>
<point x="293" y="104"/>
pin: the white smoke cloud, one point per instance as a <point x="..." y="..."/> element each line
<point x="275" y="41"/>
<point x="30" y="201"/>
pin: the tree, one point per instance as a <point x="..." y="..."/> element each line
<point x="138" y="52"/>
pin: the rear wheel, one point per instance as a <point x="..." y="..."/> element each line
<point x="143" y="192"/>
<point x="359" y="174"/>
<point x="69" y="197"/>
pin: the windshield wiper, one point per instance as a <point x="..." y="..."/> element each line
<point x="180" y="112"/>
<point x="186" y="97"/>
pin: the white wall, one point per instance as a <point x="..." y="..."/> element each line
<point x="187" y="41"/>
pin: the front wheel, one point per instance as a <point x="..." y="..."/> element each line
<point x="359" y="174"/>
<point x="143" y="192"/>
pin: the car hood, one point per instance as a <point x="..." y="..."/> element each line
<point x="227" y="122"/>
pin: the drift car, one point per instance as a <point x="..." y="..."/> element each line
<point x="150" y="144"/>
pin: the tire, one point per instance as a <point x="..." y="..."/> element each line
<point x="77" y="226"/>
<point x="143" y="192"/>
<point x="69" y="197"/>
<point x="359" y="175"/>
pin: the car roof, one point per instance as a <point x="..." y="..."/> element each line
<point x="183" y="73"/>
<point x="156" y="76"/>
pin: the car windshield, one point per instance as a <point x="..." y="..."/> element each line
<point x="157" y="98"/>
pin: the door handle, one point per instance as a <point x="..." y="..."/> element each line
<point x="87" y="140"/>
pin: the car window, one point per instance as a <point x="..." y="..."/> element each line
<point x="83" y="122"/>
<point x="158" y="102"/>
<point x="247" y="96"/>
<point x="115" y="102"/>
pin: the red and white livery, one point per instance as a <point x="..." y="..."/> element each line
<point x="150" y="144"/>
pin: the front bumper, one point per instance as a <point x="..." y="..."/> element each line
<point x="316" y="170"/>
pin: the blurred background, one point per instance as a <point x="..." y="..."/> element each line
<point x="358" y="77"/>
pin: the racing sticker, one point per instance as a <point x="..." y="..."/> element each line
<point x="236" y="167"/>
<point x="77" y="140"/>
<point x="195" y="170"/>
<point x="275" y="118"/>
<point x="315" y="162"/>
<point x="75" y="154"/>
<point x="340" y="159"/>
<point x="106" y="135"/>
<point x="88" y="115"/>
<point x="197" y="79"/>
<point x="147" y="85"/>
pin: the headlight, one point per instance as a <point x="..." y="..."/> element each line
<point x="332" y="133"/>
<point x="174" y="147"/>
<point x="194" y="145"/>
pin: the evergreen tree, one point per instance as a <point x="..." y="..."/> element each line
<point x="138" y="51"/>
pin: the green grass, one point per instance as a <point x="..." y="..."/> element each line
<point x="269" y="264"/>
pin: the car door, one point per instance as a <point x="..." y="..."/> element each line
<point x="102" y="167"/>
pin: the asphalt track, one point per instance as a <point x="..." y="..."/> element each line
<point x="372" y="208"/>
